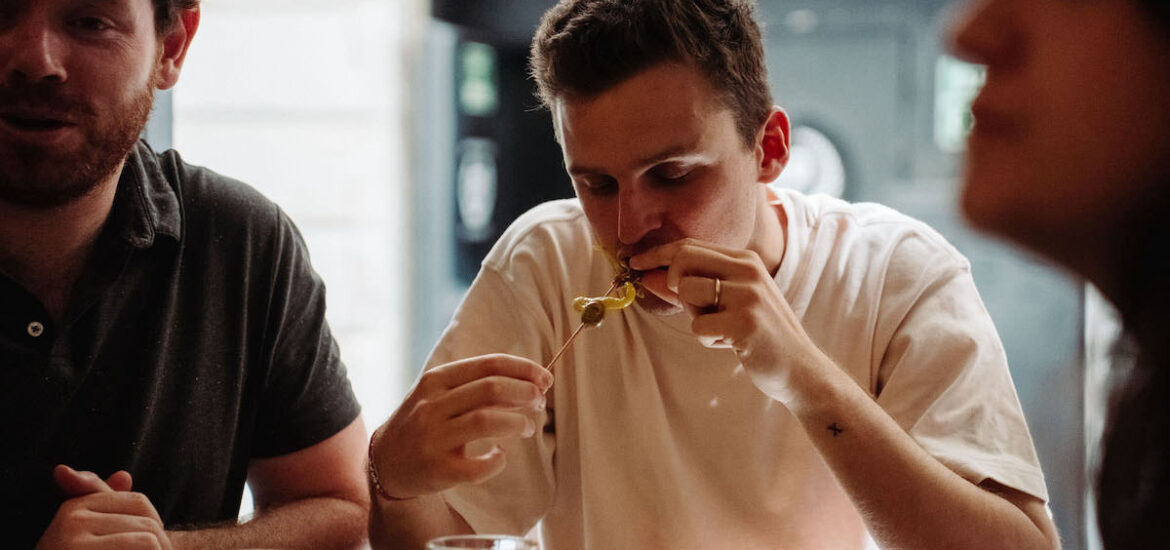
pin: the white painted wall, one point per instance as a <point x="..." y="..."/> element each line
<point x="305" y="100"/>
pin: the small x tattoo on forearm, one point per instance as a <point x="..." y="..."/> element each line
<point x="835" y="429"/>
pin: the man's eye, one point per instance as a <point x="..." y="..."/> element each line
<point x="91" y="24"/>
<point x="673" y="175"/>
<point x="599" y="184"/>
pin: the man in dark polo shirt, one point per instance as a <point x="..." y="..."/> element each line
<point x="162" y="334"/>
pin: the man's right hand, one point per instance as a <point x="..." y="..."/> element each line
<point x="102" y="515"/>
<point x="420" y="450"/>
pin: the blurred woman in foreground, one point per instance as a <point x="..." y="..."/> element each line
<point x="1070" y="156"/>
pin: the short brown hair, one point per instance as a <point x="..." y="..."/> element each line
<point x="585" y="47"/>
<point x="166" y="12"/>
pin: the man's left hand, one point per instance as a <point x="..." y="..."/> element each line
<point x="734" y="302"/>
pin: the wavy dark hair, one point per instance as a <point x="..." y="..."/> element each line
<point x="585" y="47"/>
<point x="1133" y="485"/>
<point x="1159" y="9"/>
<point x="166" y="12"/>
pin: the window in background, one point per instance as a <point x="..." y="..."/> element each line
<point x="303" y="100"/>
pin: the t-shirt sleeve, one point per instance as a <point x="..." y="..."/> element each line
<point x="501" y="314"/>
<point x="306" y="394"/>
<point x="944" y="376"/>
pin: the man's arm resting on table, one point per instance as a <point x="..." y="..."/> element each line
<point x="314" y="498"/>
<point x="909" y="499"/>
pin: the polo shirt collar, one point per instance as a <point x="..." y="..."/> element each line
<point x="146" y="205"/>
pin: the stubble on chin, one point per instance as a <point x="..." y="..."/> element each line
<point x="41" y="178"/>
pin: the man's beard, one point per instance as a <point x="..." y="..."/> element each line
<point x="44" y="177"/>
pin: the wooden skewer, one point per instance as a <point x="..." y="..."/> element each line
<point x="573" y="336"/>
<point x="564" y="347"/>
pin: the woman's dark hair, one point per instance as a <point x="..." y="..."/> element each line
<point x="1133" y="486"/>
<point x="1158" y="9"/>
<point x="585" y="47"/>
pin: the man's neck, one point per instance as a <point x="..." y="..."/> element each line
<point x="768" y="240"/>
<point x="44" y="249"/>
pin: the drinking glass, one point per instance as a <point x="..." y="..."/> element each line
<point x="488" y="542"/>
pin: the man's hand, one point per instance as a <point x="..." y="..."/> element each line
<point x="751" y="316"/>
<point x="102" y="515"/>
<point x="421" y="449"/>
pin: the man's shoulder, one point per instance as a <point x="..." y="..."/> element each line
<point x="203" y="191"/>
<point x="212" y="208"/>
<point x="555" y="215"/>
<point x="868" y="223"/>
<point x="870" y="216"/>
<point x="221" y="219"/>
<point x="553" y="227"/>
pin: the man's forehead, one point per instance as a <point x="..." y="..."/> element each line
<point x="595" y="138"/>
<point x="657" y="98"/>
<point x="21" y="5"/>
<point x="613" y="157"/>
<point x="71" y="2"/>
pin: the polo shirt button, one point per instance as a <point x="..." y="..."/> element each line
<point x="35" y="329"/>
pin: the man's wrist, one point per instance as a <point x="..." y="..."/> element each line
<point x="375" y="482"/>
<point x="821" y="391"/>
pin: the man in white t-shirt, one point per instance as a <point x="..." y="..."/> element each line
<point x="798" y="372"/>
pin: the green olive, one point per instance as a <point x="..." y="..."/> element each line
<point x="593" y="313"/>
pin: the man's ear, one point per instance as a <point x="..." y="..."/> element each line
<point x="174" y="45"/>
<point x="772" y="146"/>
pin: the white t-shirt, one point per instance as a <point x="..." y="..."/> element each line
<point x="658" y="442"/>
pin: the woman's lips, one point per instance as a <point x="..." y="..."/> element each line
<point x="993" y="122"/>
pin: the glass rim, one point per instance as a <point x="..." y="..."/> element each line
<point x="480" y="537"/>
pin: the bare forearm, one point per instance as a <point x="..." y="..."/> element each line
<point x="312" y="523"/>
<point x="408" y="524"/>
<point x="909" y="499"/>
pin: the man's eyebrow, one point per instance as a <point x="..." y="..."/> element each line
<point x="678" y="150"/>
<point x="104" y="3"/>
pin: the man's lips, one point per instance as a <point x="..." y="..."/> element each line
<point x="43" y="114"/>
<point x="35" y="129"/>
<point x="34" y="124"/>
<point x="654" y="281"/>
<point x="32" y="121"/>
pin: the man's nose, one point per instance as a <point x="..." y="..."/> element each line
<point x="639" y="212"/>
<point x="32" y="51"/>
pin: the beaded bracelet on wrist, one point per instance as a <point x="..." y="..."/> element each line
<point x="372" y="474"/>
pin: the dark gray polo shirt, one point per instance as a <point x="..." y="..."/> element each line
<point x="194" y="342"/>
